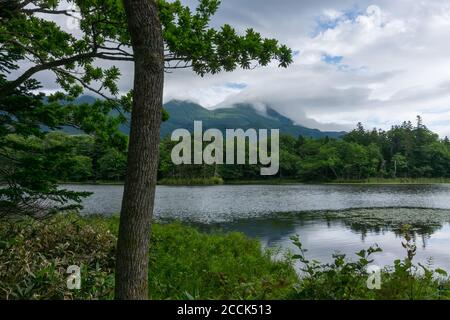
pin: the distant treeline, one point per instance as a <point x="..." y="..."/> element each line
<point x="405" y="151"/>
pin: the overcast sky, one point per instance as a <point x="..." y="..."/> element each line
<point x="375" y="62"/>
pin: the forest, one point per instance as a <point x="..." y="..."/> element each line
<point x="405" y="151"/>
<point x="53" y="51"/>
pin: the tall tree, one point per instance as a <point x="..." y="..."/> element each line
<point x="138" y="197"/>
<point x="156" y="36"/>
<point x="188" y="41"/>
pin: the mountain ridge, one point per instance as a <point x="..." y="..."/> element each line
<point x="183" y="113"/>
<point x="238" y="116"/>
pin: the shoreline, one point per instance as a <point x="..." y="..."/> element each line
<point x="200" y="261"/>
<point x="282" y="182"/>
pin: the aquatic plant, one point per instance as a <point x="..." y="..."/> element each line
<point x="345" y="279"/>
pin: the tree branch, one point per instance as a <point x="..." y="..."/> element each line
<point x="49" y="11"/>
<point x="90" y="88"/>
<point x="109" y="56"/>
<point x="122" y="55"/>
<point x="11" y="85"/>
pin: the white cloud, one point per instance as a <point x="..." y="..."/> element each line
<point x="387" y="62"/>
<point x="395" y="65"/>
<point x="332" y="14"/>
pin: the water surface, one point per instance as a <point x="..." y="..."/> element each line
<point x="328" y="218"/>
<point x="231" y="202"/>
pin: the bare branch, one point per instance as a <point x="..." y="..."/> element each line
<point x="109" y="56"/>
<point x="121" y="51"/>
<point x="178" y="65"/>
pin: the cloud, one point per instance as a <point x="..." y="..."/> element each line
<point x="375" y="61"/>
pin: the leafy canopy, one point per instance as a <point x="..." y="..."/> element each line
<point x="33" y="39"/>
<point x="28" y="32"/>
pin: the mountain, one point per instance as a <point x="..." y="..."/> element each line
<point x="240" y="116"/>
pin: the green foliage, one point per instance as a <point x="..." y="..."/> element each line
<point x="190" y="39"/>
<point x="32" y="159"/>
<point x="340" y="280"/>
<point x="347" y="280"/>
<point x="403" y="153"/>
<point x="30" y="167"/>
<point x="187" y="36"/>
<point x="81" y="169"/>
<point x="184" y="263"/>
<point x="112" y="165"/>
<point x="406" y="151"/>
<point x="191" y="181"/>
<point x="35" y="256"/>
<point x="29" y="33"/>
<point x="355" y="158"/>
<point x="361" y="156"/>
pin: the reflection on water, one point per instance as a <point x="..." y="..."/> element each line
<point x="319" y="214"/>
<point x="324" y="237"/>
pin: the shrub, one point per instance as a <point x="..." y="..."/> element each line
<point x="346" y="280"/>
<point x="34" y="257"/>
<point x="184" y="263"/>
<point x="188" y="264"/>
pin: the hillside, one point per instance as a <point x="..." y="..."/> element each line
<point x="240" y="116"/>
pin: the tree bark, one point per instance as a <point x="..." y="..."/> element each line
<point x="140" y="182"/>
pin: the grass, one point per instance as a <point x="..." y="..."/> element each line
<point x="267" y="181"/>
<point x="370" y="181"/>
<point x="187" y="264"/>
<point x="184" y="263"/>
<point x="277" y="181"/>
<point x="191" y="181"/>
<point x="393" y="181"/>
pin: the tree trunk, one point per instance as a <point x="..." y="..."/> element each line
<point x="140" y="182"/>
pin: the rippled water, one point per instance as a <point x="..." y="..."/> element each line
<point x="328" y="218"/>
<point x="231" y="202"/>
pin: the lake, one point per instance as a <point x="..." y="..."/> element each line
<point x="328" y="218"/>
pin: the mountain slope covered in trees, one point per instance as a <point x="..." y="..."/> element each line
<point x="182" y="115"/>
<point x="406" y="151"/>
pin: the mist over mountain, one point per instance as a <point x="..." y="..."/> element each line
<point x="239" y="116"/>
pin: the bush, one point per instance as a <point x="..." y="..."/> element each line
<point x="187" y="264"/>
<point x="34" y="257"/>
<point x="184" y="263"/>
<point x="347" y="280"/>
